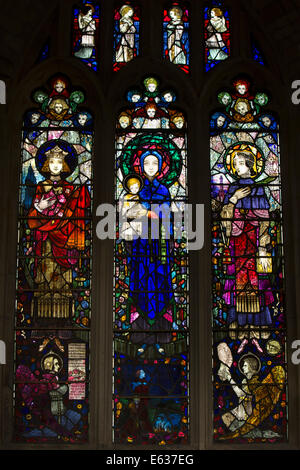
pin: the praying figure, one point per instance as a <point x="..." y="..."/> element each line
<point x="215" y="42"/>
<point x="175" y="30"/>
<point x="57" y="220"/>
<point x="257" y="397"/>
<point x="125" y="47"/>
<point x="87" y="26"/>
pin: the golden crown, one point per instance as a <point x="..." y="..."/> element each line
<point x="56" y="152"/>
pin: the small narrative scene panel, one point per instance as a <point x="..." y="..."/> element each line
<point x="51" y="386"/>
<point x="248" y="318"/>
<point x="53" y="285"/>
<point x="151" y="304"/>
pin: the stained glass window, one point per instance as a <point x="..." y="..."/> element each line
<point x="176" y="35"/>
<point x="44" y="52"/>
<point x="216" y="34"/>
<point x="248" y="269"/>
<point x="54" y="267"/>
<point x="86" y="33"/>
<point x="126" y="34"/>
<point x="256" y="53"/>
<point x="151" y="271"/>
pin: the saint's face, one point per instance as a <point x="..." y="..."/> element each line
<point x="82" y="118"/>
<point x="175" y="14"/>
<point x="77" y="97"/>
<point x="128" y="13"/>
<point x="89" y="14"/>
<point x="151" y="112"/>
<point x="240" y="166"/>
<point x="168" y="97"/>
<point x="135" y="98"/>
<point x="172" y="14"/>
<point x="246" y="368"/>
<point x="261" y="99"/>
<point x="58" y="108"/>
<point x="241" y="89"/>
<point x="55" y="166"/>
<point x="40" y="98"/>
<point x="151" y="165"/>
<point x="242" y="109"/>
<point x="124" y="122"/>
<point x="56" y="365"/>
<point x="266" y="121"/>
<point x="220" y="121"/>
<point x="35" y="118"/>
<point x="59" y="87"/>
<point x="225" y="99"/>
<point x="179" y="123"/>
<point x="134" y="188"/>
<point x="151" y="87"/>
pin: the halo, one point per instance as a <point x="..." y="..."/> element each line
<point x="77" y="93"/>
<point x="129" y="161"/>
<point x="244" y="147"/>
<point x="151" y="80"/>
<point x="59" y="78"/>
<point x="246" y="356"/>
<point x="273" y="347"/>
<point x="126" y="8"/>
<point x="70" y="159"/>
<point x="51" y="354"/>
<point x="130" y="176"/>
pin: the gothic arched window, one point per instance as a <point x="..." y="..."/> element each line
<point x="151" y="271"/>
<point x="54" y="269"/>
<point x="187" y="348"/>
<point x="248" y="269"/>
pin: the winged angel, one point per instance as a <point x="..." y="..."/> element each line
<point x="256" y="398"/>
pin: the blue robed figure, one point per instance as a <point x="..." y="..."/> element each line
<point x="150" y="262"/>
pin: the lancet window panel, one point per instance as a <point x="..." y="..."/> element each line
<point x="217" y="32"/>
<point x="176" y="42"/>
<point x="86" y="25"/>
<point x="126" y="34"/>
<point x="151" y="328"/>
<point x="53" y="291"/>
<point x="249" y="317"/>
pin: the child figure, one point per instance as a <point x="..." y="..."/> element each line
<point x="132" y="209"/>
